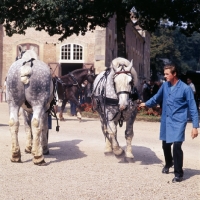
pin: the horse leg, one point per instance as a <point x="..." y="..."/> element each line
<point x="129" y="135"/>
<point x="74" y="99"/>
<point x="45" y="129"/>
<point x="108" y="147"/>
<point x="64" y="102"/>
<point x="14" y="127"/>
<point x="79" y="116"/>
<point x="27" y="123"/>
<point x="112" y="130"/>
<point x="36" y="124"/>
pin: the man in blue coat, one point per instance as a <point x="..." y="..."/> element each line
<point x="177" y="98"/>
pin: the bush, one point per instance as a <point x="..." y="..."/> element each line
<point x="154" y="111"/>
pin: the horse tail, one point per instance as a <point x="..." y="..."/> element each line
<point x="26" y="71"/>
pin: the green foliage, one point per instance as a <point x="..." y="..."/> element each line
<point x="67" y="17"/>
<point x="178" y="48"/>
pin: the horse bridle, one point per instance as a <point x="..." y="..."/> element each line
<point x="122" y="71"/>
<point x="115" y="75"/>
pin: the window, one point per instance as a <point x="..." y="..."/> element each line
<point x="71" y="53"/>
<point x="65" y="52"/>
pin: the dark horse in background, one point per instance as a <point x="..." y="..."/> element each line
<point x="69" y="85"/>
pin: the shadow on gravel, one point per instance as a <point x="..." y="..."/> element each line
<point x="145" y="155"/>
<point x="65" y="150"/>
<point x="188" y="173"/>
<point x="3" y="124"/>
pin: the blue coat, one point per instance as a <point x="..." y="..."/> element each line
<point x="174" y="110"/>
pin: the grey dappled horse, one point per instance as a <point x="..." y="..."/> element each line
<point x="111" y="99"/>
<point x="29" y="85"/>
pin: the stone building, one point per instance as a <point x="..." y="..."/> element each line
<point x="96" y="49"/>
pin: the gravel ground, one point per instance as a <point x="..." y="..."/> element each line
<point x="77" y="168"/>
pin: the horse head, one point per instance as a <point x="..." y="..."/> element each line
<point x="124" y="77"/>
<point x="90" y="75"/>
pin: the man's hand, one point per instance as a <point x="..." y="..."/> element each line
<point x="194" y="133"/>
<point x="142" y="105"/>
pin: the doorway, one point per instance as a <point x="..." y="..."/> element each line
<point x="69" y="67"/>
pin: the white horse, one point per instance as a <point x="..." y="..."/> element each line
<point x="112" y="99"/>
<point x="29" y="85"/>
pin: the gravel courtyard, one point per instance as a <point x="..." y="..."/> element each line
<point x="77" y="168"/>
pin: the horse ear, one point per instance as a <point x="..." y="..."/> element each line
<point x="20" y="48"/>
<point x="131" y="63"/>
<point x="31" y="48"/>
<point x="134" y="73"/>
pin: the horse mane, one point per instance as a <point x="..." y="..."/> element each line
<point x="26" y="69"/>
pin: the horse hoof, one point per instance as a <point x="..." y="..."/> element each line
<point x="79" y="119"/>
<point x="128" y="160"/>
<point x="121" y="155"/>
<point x="42" y="163"/>
<point x="119" y="152"/>
<point x="46" y="153"/>
<point x="108" y="153"/>
<point x="16" y="160"/>
<point x="27" y="151"/>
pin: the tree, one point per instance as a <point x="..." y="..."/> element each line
<point x="66" y="17"/>
<point x="162" y="48"/>
<point x="176" y="47"/>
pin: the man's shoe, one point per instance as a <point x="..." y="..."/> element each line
<point x="177" y="179"/>
<point x="165" y="170"/>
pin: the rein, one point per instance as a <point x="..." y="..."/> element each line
<point x="123" y="72"/>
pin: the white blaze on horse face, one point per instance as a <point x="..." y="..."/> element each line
<point x="122" y="84"/>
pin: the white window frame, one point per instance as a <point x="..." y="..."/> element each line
<point x="71" y="60"/>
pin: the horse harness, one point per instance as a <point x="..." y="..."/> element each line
<point x="110" y="101"/>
